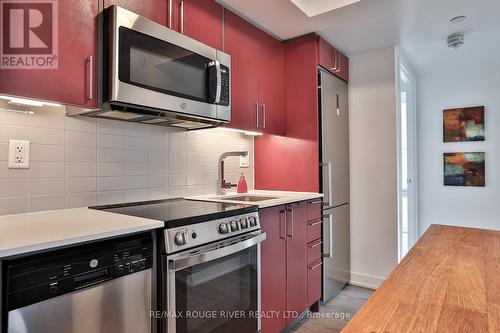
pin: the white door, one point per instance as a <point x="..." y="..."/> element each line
<point x="407" y="191"/>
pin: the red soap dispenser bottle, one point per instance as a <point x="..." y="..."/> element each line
<point x="242" y="185"/>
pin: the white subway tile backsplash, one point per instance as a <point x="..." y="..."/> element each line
<point x="13" y="133"/>
<point x="81" y="139"/>
<point x="110" y="197"/>
<point x="75" y="200"/>
<point x="14" y="206"/>
<point x="47" y="186"/>
<point x="110" y="141"/>
<point x="110" y="155"/>
<point x="6" y="173"/>
<point x="81" y="169"/>
<point x="79" y="161"/>
<point x="48" y="136"/>
<point x="81" y="154"/>
<point x="14" y="188"/>
<point x="136" y="182"/>
<point x="47" y="202"/>
<point x="47" y="153"/>
<point x="136" y="195"/>
<point x="4" y="151"/>
<point x="110" y="169"/>
<point x="12" y="118"/>
<point x="82" y="184"/>
<point x="110" y="183"/>
<point x="47" y="169"/>
<point x="81" y="124"/>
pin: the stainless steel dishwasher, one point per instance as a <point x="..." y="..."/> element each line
<point x="101" y="287"/>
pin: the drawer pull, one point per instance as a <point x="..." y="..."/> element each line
<point x="316" y="202"/>
<point x="312" y="246"/>
<point x="316" y="266"/>
<point x="312" y="224"/>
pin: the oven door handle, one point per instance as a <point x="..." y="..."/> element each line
<point x="186" y="261"/>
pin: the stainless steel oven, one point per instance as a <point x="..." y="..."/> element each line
<point x="215" y="287"/>
<point x="155" y="75"/>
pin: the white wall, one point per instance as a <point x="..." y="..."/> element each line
<point x="79" y="162"/>
<point x="458" y="85"/>
<point x="372" y="99"/>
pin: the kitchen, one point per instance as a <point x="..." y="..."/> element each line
<point x="159" y="115"/>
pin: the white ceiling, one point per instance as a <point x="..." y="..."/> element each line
<point x="419" y="27"/>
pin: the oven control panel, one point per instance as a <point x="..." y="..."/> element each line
<point x="182" y="238"/>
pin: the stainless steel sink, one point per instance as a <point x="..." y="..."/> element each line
<point x="246" y="198"/>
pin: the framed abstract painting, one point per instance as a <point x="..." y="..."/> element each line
<point x="464" y="169"/>
<point x="466" y="124"/>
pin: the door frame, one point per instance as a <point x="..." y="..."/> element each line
<point x="413" y="228"/>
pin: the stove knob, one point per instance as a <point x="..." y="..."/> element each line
<point x="180" y="238"/>
<point x="223" y="228"/>
<point x="234" y="226"/>
<point x="243" y="223"/>
<point x="252" y="221"/>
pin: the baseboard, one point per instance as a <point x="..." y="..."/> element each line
<point x="366" y="281"/>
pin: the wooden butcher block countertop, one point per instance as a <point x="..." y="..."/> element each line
<point x="448" y="282"/>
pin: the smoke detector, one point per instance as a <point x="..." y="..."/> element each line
<point x="455" y="40"/>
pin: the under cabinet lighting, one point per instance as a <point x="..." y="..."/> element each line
<point x="249" y="133"/>
<point x="18" y="111"/>
<point x="28" y="102"/>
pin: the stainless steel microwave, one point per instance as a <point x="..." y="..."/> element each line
<point x="155" y="75"/>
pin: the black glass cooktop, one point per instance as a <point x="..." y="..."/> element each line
<point x="178" y="212"/>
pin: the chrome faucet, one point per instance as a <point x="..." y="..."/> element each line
<point x="222" y="184"/>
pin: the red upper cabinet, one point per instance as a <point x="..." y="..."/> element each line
<point x="258" y="86"/>
<point x="201" y="20"/>
<point x="155" y="10"/>
<point x="241" y="43"/>
<point x="325" y="54"/>
<point x="75" y="79"/>
<point x="332" y="59"/>
<point x="271" y="84"/>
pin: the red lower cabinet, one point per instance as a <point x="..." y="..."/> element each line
<point x="285" y="273"/>
<point x="314" y="282"/>
<point x="273" y="253"/>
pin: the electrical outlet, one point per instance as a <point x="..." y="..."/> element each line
<point x="19" y="154"/>
<point x="245" y="161"/>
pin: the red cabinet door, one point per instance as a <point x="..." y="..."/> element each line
<point x="202" y="20"/>
<point x="240" y="42"/>
<point x="325" y="54"/>
<point x="155" y="10"/>
<point x="74" y="81"/>
<point x="343" y="67"/>
<point x="272" y="84"/>
<point x="273" y="278"/>
<point x="314" y="282"/>
<point x="296" y="274"/>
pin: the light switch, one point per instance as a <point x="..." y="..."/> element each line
<point x="245" y="161"/>
<point x="19" y="154"/>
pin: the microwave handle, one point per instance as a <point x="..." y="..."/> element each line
<point x="218" y="75"/>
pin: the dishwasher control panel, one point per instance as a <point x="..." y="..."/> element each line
<point x="43" y="276"/>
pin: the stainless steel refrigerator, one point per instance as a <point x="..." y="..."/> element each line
<point x="334" y="182"/>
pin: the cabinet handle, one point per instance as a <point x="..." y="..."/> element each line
<point x="290" y="210"/>
<point x="338" y="62"/>
<point x="170" y="14"/>
<point x="257" y="115"/>
<point x="316" y="202"/>
<point x="312" y="246"/>
<point x="90" y="60"/>
<point x="312" y="224"/>
<point x="282" y="224"/>
<point x="264" y="116"/>
<point x="334" y="55"/>
<point x="316" y="266"/>
<point x="181" y="4"/>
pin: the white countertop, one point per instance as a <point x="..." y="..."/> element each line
<point x="280" y="197"/>
<point x="24" y="233"/>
